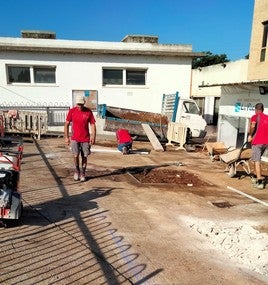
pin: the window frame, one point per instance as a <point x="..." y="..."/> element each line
<point x="263" y="53"/>
<point x="46" y="69"/>
<point x="126" y="73"/>
<point x="15" y="68"/>
<point x="134" y="73"/>
<point x="110" y="80"/>
<point x="31" y="71"/>
<point x="188" y="108"/>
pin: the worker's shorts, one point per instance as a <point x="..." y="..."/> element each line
<point x="80" y="147"/>
<point x="128" y="145"/>
<point x="257" y="151"/>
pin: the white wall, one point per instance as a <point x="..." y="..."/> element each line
<point x="234" y="71"/>
<point x="84" y="72"/>
<point x="230" y="72"/>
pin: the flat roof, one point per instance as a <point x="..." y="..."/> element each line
<point x="96" y="47"/>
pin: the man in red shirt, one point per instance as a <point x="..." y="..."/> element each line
<point x="124" y="141"/>
<point x="258" y="136"/>
<point x="80" y="117"/>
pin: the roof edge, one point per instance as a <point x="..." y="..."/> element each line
<point x="111" y="51"/>
<point x="251" y="82"/>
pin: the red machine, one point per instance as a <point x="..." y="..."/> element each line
<point x="11" y="150"/>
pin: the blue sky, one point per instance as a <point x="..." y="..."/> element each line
<point x="218" y="26"/>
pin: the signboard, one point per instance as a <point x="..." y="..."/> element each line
<point x="240" y="102"/>
<point x="91" y="97"/>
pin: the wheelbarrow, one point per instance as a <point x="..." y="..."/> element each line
<point x="235" y="158"/>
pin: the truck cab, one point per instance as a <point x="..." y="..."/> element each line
<point x="189" y="114"/>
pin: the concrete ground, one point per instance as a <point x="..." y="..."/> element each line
<point x="112" y="229"/>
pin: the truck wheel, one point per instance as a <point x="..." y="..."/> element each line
<point x="4" y="223"/>
<point x="188" y="136"/>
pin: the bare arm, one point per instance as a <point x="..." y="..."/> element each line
<point x="251" y="131"/>
<point x="66" y="132"/>
<point x="93" y="134"/>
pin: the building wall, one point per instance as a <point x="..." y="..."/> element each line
<point x="84" y="72"/>
<point x="258" y="70"/>
<point x="204" y="79"/>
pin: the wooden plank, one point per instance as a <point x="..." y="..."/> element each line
<point x="152" y="137"/>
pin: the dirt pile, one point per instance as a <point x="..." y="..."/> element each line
<point x="169" y="176"/>
<point x="241" y="241"/>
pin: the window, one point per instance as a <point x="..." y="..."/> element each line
<point x="112" y="76"/>
<point x="18" y="74"/>
<point x="31" y="74"/>
<point x="44" y="75"/>
<point x="123" y="76"/>
<point x="135" y="77"/>
<point x="264" y="41"/>
<point x="191" y="107"/>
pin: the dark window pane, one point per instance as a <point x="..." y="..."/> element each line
<point x="44" y="75"/>
<point x="190" y="107"/>
<point x="18" y="74"/>
<point x="112" y="76"/>
<point x="135" y="77"/>
<point x="263" y="52"/>
<point x="265" y="34"/>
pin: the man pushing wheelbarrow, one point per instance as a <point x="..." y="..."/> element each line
<point x="258" y="137"/>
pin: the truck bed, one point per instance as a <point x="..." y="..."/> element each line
<point x="116" y="118"/>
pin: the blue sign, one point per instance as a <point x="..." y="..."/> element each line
<point x="240" y="107"/>
<point x="237" y="107"/>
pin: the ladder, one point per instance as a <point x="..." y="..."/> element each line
<point x="170" y="105"/>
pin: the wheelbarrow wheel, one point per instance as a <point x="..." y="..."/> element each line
<point x="232" y="171"/>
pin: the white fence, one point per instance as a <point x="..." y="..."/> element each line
<point x="25" y="119"/>
<point x="24" y="122"/>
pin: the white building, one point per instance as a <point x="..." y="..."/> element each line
<point x="207" y="81"/>
<point x="39" y="70"/>
<point x="239" y="85"/>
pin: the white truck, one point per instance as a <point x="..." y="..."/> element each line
<point x="174" y="109"/>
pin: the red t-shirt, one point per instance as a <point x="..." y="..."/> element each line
<point x="123" y="136"/>
<point x="80" y="123"/>
<point x="261" y="133"/>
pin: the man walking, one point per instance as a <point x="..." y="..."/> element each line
<point x="258" y="136"/>
<point x="82" y="136"/>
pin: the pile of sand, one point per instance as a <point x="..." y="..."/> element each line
<point x="239" y="240"/>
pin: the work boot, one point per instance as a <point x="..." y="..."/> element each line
<point x="125" y="151"/>
<point x="254" y="179"/>
<point x="259" y="184"/>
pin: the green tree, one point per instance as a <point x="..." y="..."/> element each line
<point x="209" y="59"/>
